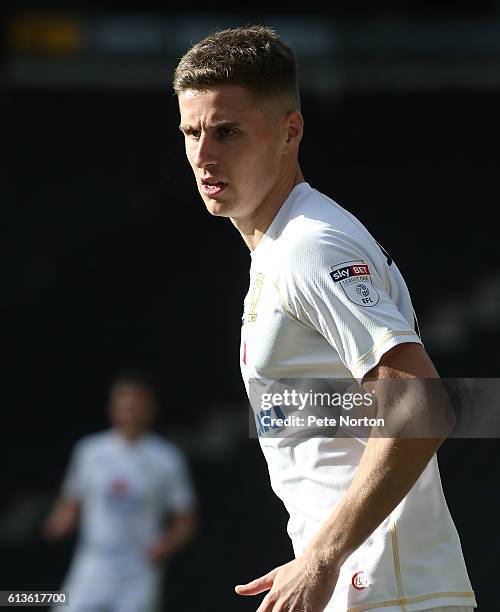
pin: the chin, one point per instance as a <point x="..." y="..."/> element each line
<point x="217" y="209"/>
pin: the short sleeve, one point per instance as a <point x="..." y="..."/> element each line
<point x="179" y="491"/>
<point x="344" y="291"/>
<point x="73" y="482"/>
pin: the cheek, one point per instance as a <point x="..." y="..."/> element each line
<point x="189" y="155"/>
<point x="263" y="165"/>
<point x="190" y="150"/>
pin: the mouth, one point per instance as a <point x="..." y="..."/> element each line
<point x="211" y="187"/>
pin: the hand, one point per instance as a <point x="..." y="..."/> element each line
<point x="302" y="585"/>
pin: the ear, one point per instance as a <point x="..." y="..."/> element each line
<point x="295" y="129"/>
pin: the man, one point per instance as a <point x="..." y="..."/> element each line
<point x="121" y="486"/>
<point x="368" y="519"/>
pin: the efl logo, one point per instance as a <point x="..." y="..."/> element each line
<point x="355" y="280"/>
<point x="348" y="271"/>
<point x="359" y="581"/>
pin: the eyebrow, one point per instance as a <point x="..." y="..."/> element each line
<point x="215" y="125"/>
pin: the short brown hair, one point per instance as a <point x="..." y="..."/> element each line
<point x="253" y="57"/>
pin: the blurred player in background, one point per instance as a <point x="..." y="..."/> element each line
<point x="130" y="492"/>
<point x="368" y="520"/>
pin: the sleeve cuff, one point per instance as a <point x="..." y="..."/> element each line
<point x="370" y="359"/>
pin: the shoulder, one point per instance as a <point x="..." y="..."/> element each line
<point x="317" y="228"/>
<point x="91" y="444"/>
<point x="164" y="450"/>
<point x="317" y="238"/>
<point x="94" y="440"/>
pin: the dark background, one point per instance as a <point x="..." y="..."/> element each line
<point x="110" y="261"/>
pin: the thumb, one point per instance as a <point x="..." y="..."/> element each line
<point x="264" y="583"/>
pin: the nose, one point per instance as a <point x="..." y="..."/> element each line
<point x="204" y="155"/>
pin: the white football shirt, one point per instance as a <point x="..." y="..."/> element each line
<point x="125" y="489"/>
<point x="325" y="301"/>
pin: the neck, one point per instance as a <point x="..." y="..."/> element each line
<point x="253" y="228"/>
<point x="130" y="434"/>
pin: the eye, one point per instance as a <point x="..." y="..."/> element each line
<point x="193" y="134"/>
<point x="226" y="131"/>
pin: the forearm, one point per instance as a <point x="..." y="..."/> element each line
<point x="181" y="529"/>
<point x="63" y="518"/>
<point x="387" y="471"/>
<point x="417" y="413"/>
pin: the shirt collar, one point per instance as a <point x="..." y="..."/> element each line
<point x="280" y="219"/>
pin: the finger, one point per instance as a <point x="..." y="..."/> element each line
<point x="256" y="586"/>
<point x="267" y="604"/>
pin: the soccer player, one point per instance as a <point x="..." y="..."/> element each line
<point x="130" y="491"/>
<point x="368" y="520"/>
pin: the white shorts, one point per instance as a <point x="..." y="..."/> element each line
<point x="96" y="585"/>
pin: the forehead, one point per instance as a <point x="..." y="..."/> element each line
<point x="125" y="388"/>
<point x="222" y="103"/>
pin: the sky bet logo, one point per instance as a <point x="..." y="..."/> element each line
<point x="349" y="271"/>
<point x="355" y="280"/>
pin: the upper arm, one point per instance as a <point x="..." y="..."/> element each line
<point x="406" y="360"/>
<point x="74" y="482"/>
<point x="70" y="506"/>
<point x="410" y="395"/>
<point x="179" y="494"/>
<point x="187" y="518"/>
